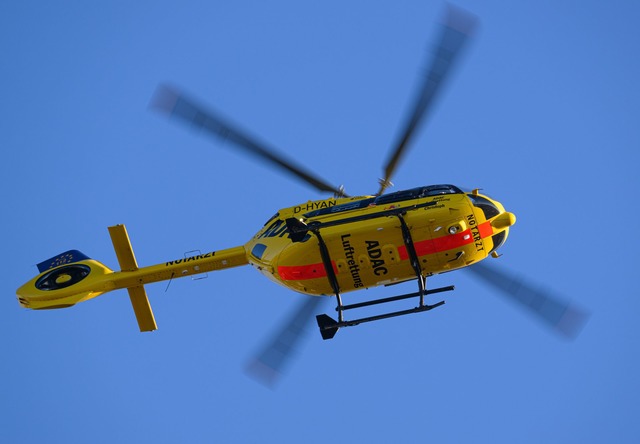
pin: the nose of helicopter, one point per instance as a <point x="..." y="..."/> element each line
<point x="504" y="220"/>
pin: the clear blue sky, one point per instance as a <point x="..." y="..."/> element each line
<point x="542" y="114"/>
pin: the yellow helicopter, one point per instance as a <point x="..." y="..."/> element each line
<point x="332" y="246"/>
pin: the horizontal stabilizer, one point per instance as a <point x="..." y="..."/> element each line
<point x="122" y="246"/>
<point x="142" y="308"/>
<point x="137" y="294"/>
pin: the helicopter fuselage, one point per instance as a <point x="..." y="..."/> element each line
<point x="324" y="247"/>
<point x="365" y="242"/>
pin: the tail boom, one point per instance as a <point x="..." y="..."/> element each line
<point x="79" y="278"/>
<point x="204" y="263"/>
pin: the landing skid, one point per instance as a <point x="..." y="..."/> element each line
<point x="329" y="326"/>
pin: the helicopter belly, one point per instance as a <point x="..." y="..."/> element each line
<point x="372" y="256"/>
<point x="361" y="256"/>
<point x="375" y="250"/>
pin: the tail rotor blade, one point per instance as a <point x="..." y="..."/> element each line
<point x="562" y="316"/>
<point x="177" y="105"/>
<point x="457" y="29"/>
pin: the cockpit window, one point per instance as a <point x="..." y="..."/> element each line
<point x="487" y="207"/>
<point x="416" y="193"/>
<point x="355" y="205"/>
<point x="498" y="240"/>
<point x="398" y="196"/>
<point x="272" y="217"/>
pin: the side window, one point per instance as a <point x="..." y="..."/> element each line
<point x="273" y="217"/>
<point x="487" y="207"/>
<point x="397" y="196"/>
<point x="498" y="240"/>
<point x="436" y="190"/>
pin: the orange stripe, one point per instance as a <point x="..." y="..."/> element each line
<point x="302" y="272"/>
<point x="448" y="242"/>
<point x="486" y="230"/>
<point x="423" y="248"/>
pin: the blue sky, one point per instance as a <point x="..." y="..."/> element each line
<point x="542" y="114"/>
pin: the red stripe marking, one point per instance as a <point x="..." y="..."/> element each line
<point x="423" y="248"/>
<point x="302" y="272"/>
<point x="486" y="230"/>
<point x="448" y="242"/>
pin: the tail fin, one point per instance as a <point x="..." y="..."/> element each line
<point x="65" y="280"/>
<point x="68" y="257"/>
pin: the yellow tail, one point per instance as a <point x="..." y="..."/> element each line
<point x="72" y="277"/>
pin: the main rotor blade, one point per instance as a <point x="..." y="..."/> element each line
<point x="268" y="365"/>
<point x="562" y="316"/>
<point x="457" y="28"/>
<point x="176" y="104"/>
